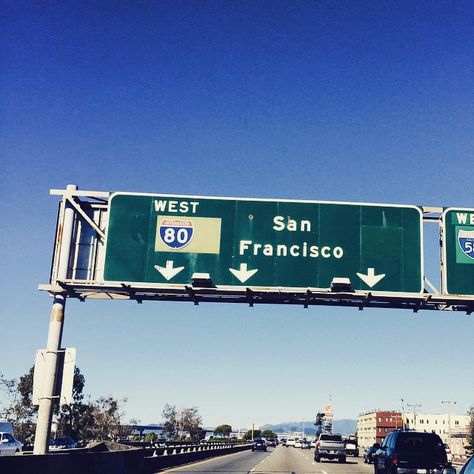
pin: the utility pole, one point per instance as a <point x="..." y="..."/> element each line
<point x="414" y="406"/>
<point x="449" y="419"/>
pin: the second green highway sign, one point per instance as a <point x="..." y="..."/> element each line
<point x="165" y="239"/>
<point x="458" y="250"/>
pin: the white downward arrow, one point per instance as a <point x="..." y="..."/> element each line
<point x="371" y="279"/>
<point x="243" y="274"/>
<point x="169" y="271"/>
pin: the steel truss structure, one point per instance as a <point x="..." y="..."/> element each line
<point x="86" y="259"/>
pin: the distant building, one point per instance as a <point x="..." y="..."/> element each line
<point x="328" y="420"/>
<point x="372" y="427"/>
<point x="452" y="429"/>
<point x="239" y="434"/>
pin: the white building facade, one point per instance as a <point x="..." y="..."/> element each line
<point x="373" y="426"/>
<point x="366" y="428"/>
<point x="451" y="428"/>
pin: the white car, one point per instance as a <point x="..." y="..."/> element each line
<point x="290" y="442"/>
<point x="298" y="443"/>
<point x="9" y="446"/>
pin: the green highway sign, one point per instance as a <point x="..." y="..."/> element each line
<point x="163" y="239"/>
<point x="458" y="251"/>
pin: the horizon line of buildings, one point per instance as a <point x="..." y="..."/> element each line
<point x="373" y="427"/>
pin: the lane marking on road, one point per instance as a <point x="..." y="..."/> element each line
<point x="324" y="472"/>
<point x="262" y="461"/>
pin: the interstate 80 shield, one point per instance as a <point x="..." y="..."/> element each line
<point x="176" y="233"/>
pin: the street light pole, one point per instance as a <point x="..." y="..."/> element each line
<point x="449" y="419"/>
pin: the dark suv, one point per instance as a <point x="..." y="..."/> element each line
<point x="410" y="452"/>
<point x="259" y="445"/>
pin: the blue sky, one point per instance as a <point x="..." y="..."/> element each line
<point x="337" y="101"/>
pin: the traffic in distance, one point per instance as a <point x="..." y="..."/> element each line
<point x="402" y="452"/>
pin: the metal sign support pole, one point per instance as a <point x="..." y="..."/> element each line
<point x="45" y="411"/>
<point x="56" y="323"/>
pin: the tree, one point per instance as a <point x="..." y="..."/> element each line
<point x="201" y="434"/>
<point x="189" y="422"/>
<point x="151" y="437"/>
<point x="82" y="421"/>
<point x="23" y="412"/>
<point x="107" y="415"/>
<point x="319" y="423"/>
<point x="269" y="434"/>
<point x="20" y="409"/>
<point x="171" y="427"/>
<point x="185" y="423"/>
<point x="69" y="417"/>
<point x="223" y="430"/>
<point x="256" y="434"/>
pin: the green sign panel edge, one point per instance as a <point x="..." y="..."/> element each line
<point x="243" y="201"/>
<point x="459" y="280"/>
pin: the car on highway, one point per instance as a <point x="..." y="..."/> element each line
<point x="468" y="468"/>
<point x="305" y="444"/>
<point x="298" y="443"/>
<point x="259" y="445"/>
<point x="330" y="446"/>
<point x="271" y="442"/>
<point x="62" y="442"/>
<point x="352" y="446"/>
<point x="290" y="442"/>
<point x="411" y="451"/>
<point x="9" y="446"/>
<point x="369" y="453"/>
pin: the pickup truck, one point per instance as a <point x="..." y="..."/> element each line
<point x="330" y="446"/>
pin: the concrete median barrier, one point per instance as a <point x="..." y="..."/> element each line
<point x="113" y="458"/>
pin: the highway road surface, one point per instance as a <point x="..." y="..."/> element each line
<point x="278" y="460"/>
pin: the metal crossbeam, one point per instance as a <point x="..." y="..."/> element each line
<point x="252" y="296"/>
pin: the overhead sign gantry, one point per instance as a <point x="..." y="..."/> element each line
<point x="214" y="249"/>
